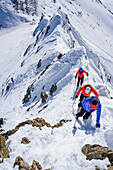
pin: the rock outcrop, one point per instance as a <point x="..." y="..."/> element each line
<point x="53" y="89"/>
<point x="39" y="63"/>
<point x="27" y="96"/>
<point x="25" y="140"/>
<point x="43" y="96"/>
<point x="98" y="152"/>
<point x="4" y="152"/>
<point x="38" y="122"/>
<point x="25" y="166"/>
<point x="1" y="121"/>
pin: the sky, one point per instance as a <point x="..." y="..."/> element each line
<point x="86" y="32"/>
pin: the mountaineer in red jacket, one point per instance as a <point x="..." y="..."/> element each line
<point x="80" y="74"/>
<point x="86" y="91"/>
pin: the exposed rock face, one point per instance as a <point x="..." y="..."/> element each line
<point x="25" y="166"/>
<point x="39" y="63"/>
<point x="4" y="152"/>
<point x="60" y="123"/>
<point x="38" y="122"/>
<point x="43" y="96"/>
<point x="53" y="89"/>
<point x="97" y="168"/>
<point x="36" y="165"/>
<point x="28" y="94"/>
<point x="25" y="140"/>
<point x="1" y="121"/>
<point x="98" y="152"/>
<point x="7" y="88"/>
<point x="21" y="163"/>
<point x="110" y="167"/>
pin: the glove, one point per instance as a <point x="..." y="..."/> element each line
<point x="97" y="125"/>
<point x="76" y="97"/>
<point x="75" y="77"/>
<point x="87" y="74"/>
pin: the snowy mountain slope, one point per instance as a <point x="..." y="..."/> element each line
<point x="58" y="148"/>
<point x="89" y="18"/>
<point x="8" y="18"/>
<point x="94" y="24"/>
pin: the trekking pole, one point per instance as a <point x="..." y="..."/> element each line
<point x="73" y="107"/>
<point x="74" y="102"/>
<point x="75" y="81"/>
<point x="87" y="79"/>
<point x="74" y="127"/>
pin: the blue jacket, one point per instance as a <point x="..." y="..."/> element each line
<point x="86" y="105"/>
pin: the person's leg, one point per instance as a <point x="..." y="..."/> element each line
<point x="87" y="114"/>
<point x="78" y="82"/>
<point x="80" y="114"/>
<point x="81" y="98"/>
<point x="82" y="80"/>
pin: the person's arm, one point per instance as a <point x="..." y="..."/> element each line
<point x="95" y="92"/>
<point x="98" y="115"/>
<point x="85" y="72"/>
<point x="79" y="91"/>
<point x="76" y="74"/>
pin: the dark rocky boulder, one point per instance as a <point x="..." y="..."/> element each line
<point x="25" y="140"/>
<point x="53" y="89"/>
<point x="98" y="152"/>
<point x="27" y="96"/>
<point x="39" y="63"/>
<point x="43" y="96"/>
<point x="4" y="152"/>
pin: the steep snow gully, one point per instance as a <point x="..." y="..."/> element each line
<point x="38" y="68"/>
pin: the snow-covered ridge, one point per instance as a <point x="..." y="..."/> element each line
<point x="8" y="18"/>
<point x="58" y="148"/>
<point x="49" y="30"/>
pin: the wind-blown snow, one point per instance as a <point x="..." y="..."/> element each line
<point x="82" y="32"/>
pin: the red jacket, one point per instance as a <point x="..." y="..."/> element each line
<point x="82" y="73"/>
<point x="82" y="90"/>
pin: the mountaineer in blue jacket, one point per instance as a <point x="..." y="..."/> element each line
<point x="89" y="105"/>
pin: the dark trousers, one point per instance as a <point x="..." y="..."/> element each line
<point x="80" y="81"/>
<point x="81" y="98"/>
<point x="83" y="112"/>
